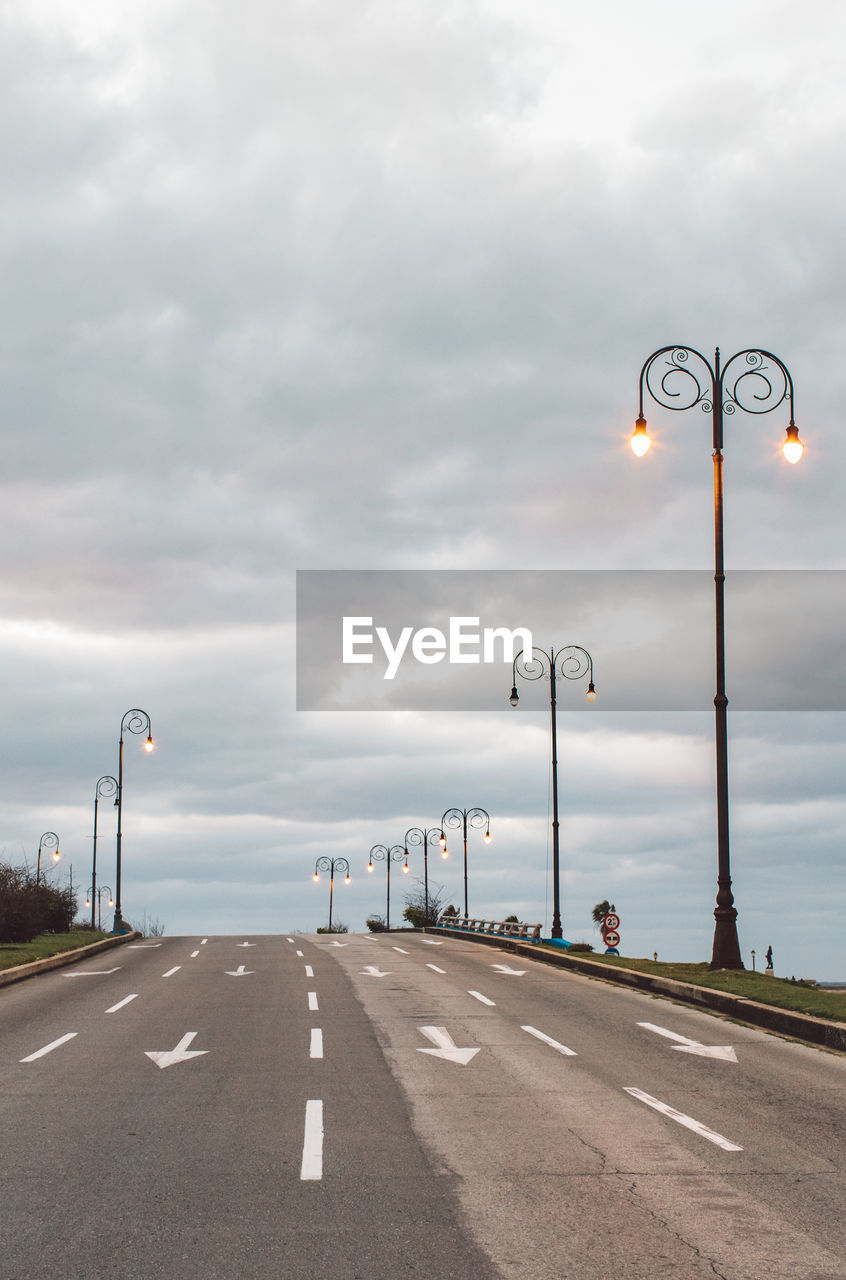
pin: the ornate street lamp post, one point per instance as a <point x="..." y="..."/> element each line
<point x="419" y="835"/>
<point x="134" y="721"/>
<point x="48" y="841"/>
<point x="755" y="381"/>
<point x="329" y="864"/>
<point x="573" y="663"/>
<point x="455" y="818"/>
<point x="107" y="786"/>
<point x="89" y="902"/>
<point x="382" y="853"/>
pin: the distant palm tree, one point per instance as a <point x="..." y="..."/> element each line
<point x="600" y="911"/>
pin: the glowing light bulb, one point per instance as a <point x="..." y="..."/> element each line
<point x="793" y="447"/>
<point x="640" y="441"/>
<point x="591" y="693"/>
<point x="315" y="877"/>
<point x="149" y="744"/>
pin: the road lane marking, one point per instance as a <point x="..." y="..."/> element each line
<point x="241" y="972"/>
<point x="503" y="968"/>
<point x="446" y="1047"/>
<point x="430" y="942"/>
<point x="290" y="939"/>
<point x="311" y="1169"/>
<point x="685" y="1045"/>
<point x="553" y="1044"/>
<point x="373" y="971"/>
<point x="181" y="1053"/>
<point x="477" y="995"/>
<point x="312" y="1001"/>
<point x="435" y="967"/>
<point x="299" y="953"/>
<point x="172" y="971"/>
<point x="247" y="944"/>
<point x="204" y="941"/>
<point x="309" y="971"/>
<point x="48" y="1048"/>
<point x="91" y="973"/>
<point x="400" y="950"/>
<point x="689" y="1123"/>
<point x="194" y="955"/>
<point x="316" y="1048"/>
<point x="121" y="1003"/>
<point x="143" y="946"/>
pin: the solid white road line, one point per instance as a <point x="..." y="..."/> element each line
<point x="312" y="1001"/>
<point x="435" y="967"/>
<point x="172" y="971"/>
<point x="311" y="1169"/>
<point x="477" y="995"/>
<point x="309" y="971"/>
<point x="121" y="1003"/>
<point x="316" y="1049"/>
<point x="48" y="1048"/>
<point x="687" y="1121"/>
<point x="553" y="1044"/>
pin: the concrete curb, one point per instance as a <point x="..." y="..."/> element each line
<point x="21" y="971"/>
<point x="803" y="1026"/>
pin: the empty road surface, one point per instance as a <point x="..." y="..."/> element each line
<point x="400" y="1105"/>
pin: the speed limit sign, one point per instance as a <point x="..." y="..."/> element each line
<point x="611" y="921"/>
<point x="612" y="938"/>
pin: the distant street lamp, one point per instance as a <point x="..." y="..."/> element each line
<point x="382" y="853"/>
<point x="573" y="663"/>
<point x="419" y="835"/>
<point x="107" y="786"/>
<point x="134" y="721"/>
<point x="329" y="864"/>
<point x="48" y="841"/>
<point x="755" y="381"/>
<point x="89" y="902"/>
<point x="455" y="818"/>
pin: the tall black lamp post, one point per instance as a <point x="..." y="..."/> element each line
<point x="107" y="786"/>
<point x="329" y="864"/>
<point x="419" y="835"/>
<point x="49" y="840"/>
<point x="396" y="853"/>
<point x="755" y="381"/>
<point x="134" y="721"/>
<point x="573" y="663"/>
<point x="464" y="818"/>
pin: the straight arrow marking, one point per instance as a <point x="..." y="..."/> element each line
<point x="687" y="1121"/>
<point x="48" y="1048"/>
<point x="446" y="1047"/>
<point x="685" y="1045"/>
<point x="167" y="1057"/>
<point x="373" y="971"/>
<point x="241" y="972"/>
<point x="553" y="1044"/>
<point x="503" y="968"/>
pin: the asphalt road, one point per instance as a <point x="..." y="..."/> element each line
<point x="291" y="1126"/>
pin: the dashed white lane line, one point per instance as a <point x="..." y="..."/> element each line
<point x="172" y="971"/>
<point x="553" y="1044"/>
<point x="204" y="941"/>
<point x="689" y="1123"/>
<point x="312" y="1002"/>
<point x="316" y="1048"/>
<point x="311" y="1169"/>
<point x="299" y="953"/>
<point x="194" y="955"/>
<point x="121" y="1003"/>
<point x="309" y="971"/>
<point x="477" y="995"/>
<point x="290" y="939"/>
<point x="435" y="967"/>
<point x="400" y="950"/>
<point x="430" y="942"/>
<point x="48" y="1048"/>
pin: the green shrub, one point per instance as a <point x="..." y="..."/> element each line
<point x="580" y="946"/>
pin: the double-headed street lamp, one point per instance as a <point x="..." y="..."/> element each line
<point x="89" y="901"/>
<point x="49" y="840"/>
<point x="573" y="663"/>
<point x="419" y="835"/>
<point x="396" y="853"/>
<point x="134" y="721"/>
<point x="107" y="786"/>
<point x="329" y="864"/>
<point x="755" y="381"/>
<point x="464" y="818"/>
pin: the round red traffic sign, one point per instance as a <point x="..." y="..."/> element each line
<point x="612" y="938"/>
<point x="611" y="921"/>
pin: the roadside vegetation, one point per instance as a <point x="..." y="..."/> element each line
<point x="47" y="944"/>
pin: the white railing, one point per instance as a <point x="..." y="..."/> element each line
<point x="499" y="928"/>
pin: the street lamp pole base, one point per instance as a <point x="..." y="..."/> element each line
<point x="556" y="930"/>
<point x="726" y="952"/>
<point x="119" y="925"/>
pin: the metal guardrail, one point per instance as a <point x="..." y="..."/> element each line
<point x="499" y="928"/>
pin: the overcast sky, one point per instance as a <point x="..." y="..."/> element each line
<point x="311" y="285"/>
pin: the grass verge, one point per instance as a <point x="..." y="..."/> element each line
<point x="779" y="992"/>
<point x="47" y="944"/>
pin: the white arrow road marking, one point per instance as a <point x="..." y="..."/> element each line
<point x="477" y="995"/>
<point x="121" y="1003"/>
<point x="687" y="1121"/>
<point x="503" y="968"/>
<point x="143" y="946"/>
<point x="247" y="944"/>
<point x="240" y="972"/>
<point x="686" y="1045"/>
<point x="435" y="967"/>
<point x="167" y="1057"/>
<point x="430" y="942"/>
<point x="446" y="1047"/>
<point x="312" y="1001"/>
<point x="400" y="950"/>
<point x="309" y="971"/>
<point x="48" y="1048"/>
<point x="339" y="944"/>
<point x="91" y="973"/>
<point x="311" y="1169"/>
<point x="553" y="1044"/>
<point x="172" y="971"/>
<point x="373" y="971"/>
<point x="316" y="1047"/>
